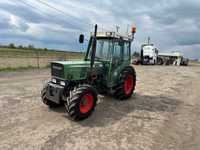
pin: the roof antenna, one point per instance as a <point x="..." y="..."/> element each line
<point x="127" y="30"/>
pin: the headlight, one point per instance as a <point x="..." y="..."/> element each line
<point x="115" y="73"/>
<point x="53" y="80"/>
<point x="62" y="83"/>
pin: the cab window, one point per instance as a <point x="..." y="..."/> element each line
<point x="117" y="50"/>
<point x="103" y="49"/>
<point x="126" y="50"/>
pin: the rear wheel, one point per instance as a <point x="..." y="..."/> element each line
<point x="126" y="85"/>
<point x="81" y="103"/>
<point x="45" y="99"/>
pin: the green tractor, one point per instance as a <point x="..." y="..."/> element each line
<point x="106" y="69"/>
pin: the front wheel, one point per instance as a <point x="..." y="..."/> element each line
<point x="126" y="85"/>
<point x="81" y="102"/>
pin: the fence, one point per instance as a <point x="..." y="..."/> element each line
<point x="35" y="58"/>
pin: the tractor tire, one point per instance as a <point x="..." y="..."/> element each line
<point x="126" y="86"/>
<point x="45" y="100"/>
<point x="81" y="102"/>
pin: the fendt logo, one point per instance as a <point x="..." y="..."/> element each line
<point x="57" y="67"/>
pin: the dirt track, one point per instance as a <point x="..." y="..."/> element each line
<point x="163" y="114"/>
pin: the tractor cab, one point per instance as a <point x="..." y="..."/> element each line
<point x="113" y="50"/>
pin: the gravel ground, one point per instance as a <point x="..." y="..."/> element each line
<point x="163" y="114"/>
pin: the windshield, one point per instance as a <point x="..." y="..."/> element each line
<point x="103" y="49"/>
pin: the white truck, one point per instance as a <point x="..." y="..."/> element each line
<point x="149" y="54"/>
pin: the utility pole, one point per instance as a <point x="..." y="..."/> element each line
<point x="38" y="61"/>
<point x="149" y="40"/>
<point x="117" y="28"/>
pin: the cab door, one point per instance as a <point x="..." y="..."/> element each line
<point x="121" y="58"/>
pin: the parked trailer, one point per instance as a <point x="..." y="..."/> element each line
<point x="175" y="58"/>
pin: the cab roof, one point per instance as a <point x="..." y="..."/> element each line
<point x="116" y="35"/>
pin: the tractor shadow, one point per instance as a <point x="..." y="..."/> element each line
<point x="110" y="111"/>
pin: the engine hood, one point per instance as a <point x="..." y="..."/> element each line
<point x="77" y="63"/>
<point x="73" y="70"/>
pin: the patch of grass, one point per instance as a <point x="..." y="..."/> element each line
<point x="26" y="53"/>
<point x="25" y="56"/>
<point x="49" y="52"/>
<point x="9" y="69"/>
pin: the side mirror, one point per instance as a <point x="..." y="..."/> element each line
<point x="81" y="38"/>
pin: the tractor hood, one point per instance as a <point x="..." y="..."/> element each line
<point x="72" y="70"/>
<point x="76" y="63"/>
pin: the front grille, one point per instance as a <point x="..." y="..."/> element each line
<point x="57" y="70"/>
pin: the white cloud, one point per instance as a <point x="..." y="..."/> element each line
<point x="17" y="23"/>
<point x="35" y="30"/>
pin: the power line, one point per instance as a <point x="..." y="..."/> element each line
<point x="27" y="4"/>
<point x="43" y="14"/>
<point x="56" y="9"/>
<point x="50" y="6"/>
<point x="64" y="13"/>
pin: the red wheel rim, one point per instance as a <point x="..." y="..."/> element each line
<point x="128" y="84"/>
<point x="86" y="103"/>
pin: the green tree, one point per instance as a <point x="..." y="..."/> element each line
<point x="136" y="54"/>
<point x="20" y="47"/>
<point x="11" y="45"/>
<point x="30" y="46"/>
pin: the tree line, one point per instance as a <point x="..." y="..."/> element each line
<point x="28" y="47"/>
<point x="136" y="54"/>
<point x="32" y="47"/>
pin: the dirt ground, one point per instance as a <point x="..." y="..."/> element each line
<point x="163" y="114"/>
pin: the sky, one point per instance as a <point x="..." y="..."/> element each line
<point x="173" y="25"/>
